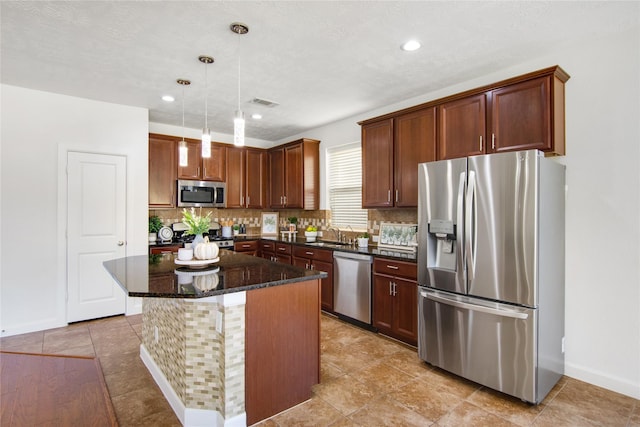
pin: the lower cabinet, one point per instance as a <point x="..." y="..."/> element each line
<point x="320" y="260"/>
<point x="276" y="251"/>
<point x="164" y="249"/>
<point x="248" y="247"/>
<point x="395" y="299"/>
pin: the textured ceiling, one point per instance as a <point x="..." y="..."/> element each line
<point x="320" y="61"/>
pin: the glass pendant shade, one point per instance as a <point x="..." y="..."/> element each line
<point x="206" y="143"/>
<point x="238" y="129"/>
<point x="183" y="154"/>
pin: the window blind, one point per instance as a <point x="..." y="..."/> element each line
<point x="345" y="186"/>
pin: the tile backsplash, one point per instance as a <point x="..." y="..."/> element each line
<point x="252" y="218"/>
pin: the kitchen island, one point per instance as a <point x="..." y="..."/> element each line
<point x="231" y="343"/>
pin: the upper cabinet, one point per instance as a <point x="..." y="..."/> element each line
<point x="208" y="169"/>
<point x="528" y="115"/>
<point x="391" y="151"/>
<point x="294" y="175"/>
<point x="246" y="178"/>
<point x="521" y="113"/>
<point x="462" y="127"/>
<point x="162" y="171"/>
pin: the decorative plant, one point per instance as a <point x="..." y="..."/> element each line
<point x="236" y="227"/>
<point x="154" y="224"/>
<point x="365" y="235"/>
<point x="293" y="219"/>
<point x="197" y="224"/>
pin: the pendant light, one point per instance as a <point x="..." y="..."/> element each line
<point x="238" y="121"/>
<point x="206" y="132"/>
<point x="183" y="150"/>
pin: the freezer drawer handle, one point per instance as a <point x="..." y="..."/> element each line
<point x="498" y="312"/>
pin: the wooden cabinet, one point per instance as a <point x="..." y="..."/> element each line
<point x="528" y="115"/>
<point x="164" y="249"/>
<point x="276" y="251"/>
<point x="395" y="299"/>
<point x="162" y="171"/>
<point x="462" y="127"/>
<point x="294" y="175"/>
<point x="391" y="152"/>
<point x="377" y="164"/>
<point x="321" y="260"/>
<point x="521" y="113"/>
<point x="414" y="143"/>
<point x="249" y="247"/>
<point x="246" y="178"/>
<point x="199" y="169"/>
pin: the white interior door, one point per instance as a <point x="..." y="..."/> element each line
<point x="96" y="227"/>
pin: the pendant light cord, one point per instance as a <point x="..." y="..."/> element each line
<point x="206" y="96"/>
<point x="182" y="113"/>
<point x="239" y="71"/>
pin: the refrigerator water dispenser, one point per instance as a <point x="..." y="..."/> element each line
<point x="442" y="238"/>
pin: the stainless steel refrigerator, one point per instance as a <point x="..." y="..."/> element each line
<point x="491" y="270"/>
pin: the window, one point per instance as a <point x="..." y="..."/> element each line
<point x="345" y="186"/>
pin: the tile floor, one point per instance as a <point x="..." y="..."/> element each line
<point x="367" y="380"/>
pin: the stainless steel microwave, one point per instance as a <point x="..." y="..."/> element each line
<point x="206" y="194"/>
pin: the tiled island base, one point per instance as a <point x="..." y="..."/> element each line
<point x="237" y="358"/>
<point x="194" y="349"/>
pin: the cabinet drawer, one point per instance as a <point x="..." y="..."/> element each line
<point x="245" y="246"/>
<point x="283" y="249"/>
<point x="268" y="246"/>
<point x="395" y="268"/>
<point x="313" y="253"/>
<point x="164" y="250"/>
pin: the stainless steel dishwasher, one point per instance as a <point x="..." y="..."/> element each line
<point x="352" y="285"/>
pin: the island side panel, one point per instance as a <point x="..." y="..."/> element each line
<point x="282" y="347"/>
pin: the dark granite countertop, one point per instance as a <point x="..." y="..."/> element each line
<point x="373" y="250"/>
<point x="159" y="276"/>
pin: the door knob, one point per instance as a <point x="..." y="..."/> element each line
<point x="120" y="243"/>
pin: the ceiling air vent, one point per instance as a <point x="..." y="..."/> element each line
<point x="264" y="102"/>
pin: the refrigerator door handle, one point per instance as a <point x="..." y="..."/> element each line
<point x="460" y="221"/>
<point x="470" y="227"/>
<point x="504" y="312"/>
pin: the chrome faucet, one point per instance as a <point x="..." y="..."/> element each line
<point x="337" y="232"/>
<point x="345" y="237"/>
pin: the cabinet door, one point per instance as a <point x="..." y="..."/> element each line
<point x="382" y="302"/>
<point x="377" y="164"/>
<point x="294" y="178"/>
<point x="521" y="116"/>
<point x="326" y="286"/>
<point x="276" y="178"/>
<point x="414" y="143"/>
<point x="462" y="127"/>
<point x="162" y="172"/>
<point x="235" y="177"/>
<point x="194" y="162"/>
<point x="256" y="182"/>
<point x="405" y="313"/>
<point x="215" y="167"/>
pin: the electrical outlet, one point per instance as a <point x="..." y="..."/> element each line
<point x="376" y="239"/>
<point x="155" y="333"/>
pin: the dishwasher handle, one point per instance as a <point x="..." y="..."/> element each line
<point x="349" y="255"/>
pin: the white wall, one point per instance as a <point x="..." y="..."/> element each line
<point x="603" y="201"/>
<point x="36" y="126"/>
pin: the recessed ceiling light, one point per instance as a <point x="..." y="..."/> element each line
<point x="168" y="98"/>
<point x="411" y="45"/>
<point x="256" y="116"/>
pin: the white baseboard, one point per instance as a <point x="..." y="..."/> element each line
<point x="188" y="417"/>
<point x="600" y="379"/>
<point x="25" y="328"/>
